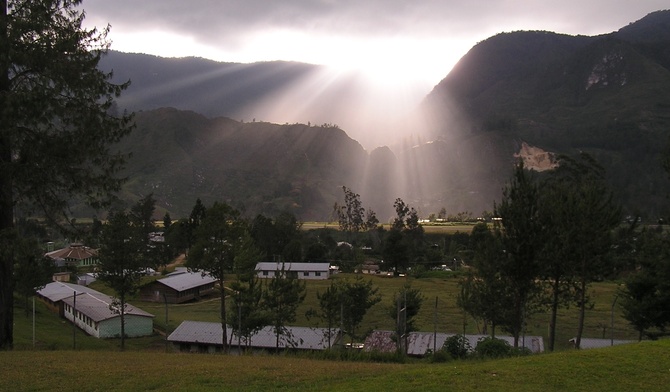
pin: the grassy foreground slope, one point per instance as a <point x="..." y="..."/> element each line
<point x="641" y="366"/>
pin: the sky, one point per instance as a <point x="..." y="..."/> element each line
<point x="402" y="48"/>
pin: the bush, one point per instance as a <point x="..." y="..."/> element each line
<point x="440" y="356"/>
<point x="493" y="348"/>
<point x="457" y="346"/>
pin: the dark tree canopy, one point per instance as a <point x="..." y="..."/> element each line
<point x="219" y="238"/>
<point x="284" y="293"/>
<point x="56" y="122"/>
<point x="124" y="256"/>
<point x="646" y="294"/>
<point x="521" y="238"/>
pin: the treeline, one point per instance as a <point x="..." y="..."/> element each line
<point x="550" y="240"/>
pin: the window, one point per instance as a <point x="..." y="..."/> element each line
<point x="305" y="273"/>
<point x="317" y="273"/>
<point x="265" y="273"/>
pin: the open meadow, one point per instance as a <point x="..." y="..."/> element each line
<point x="63" y="357"/>
<point x="636" y="367"/>
<point x="54" y="333"/>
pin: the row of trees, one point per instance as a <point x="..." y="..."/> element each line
<point x="551" y="241"/>
<point x="554" y="237"/>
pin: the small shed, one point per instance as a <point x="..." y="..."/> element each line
<point x="98" y="315"/>
<point x="313" y="271"/>
<point x="205" y="337"/>
<point x="75" y="255"/>
<point x="178" y="287"/>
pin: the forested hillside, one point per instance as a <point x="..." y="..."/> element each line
<point x="606" y="95"/>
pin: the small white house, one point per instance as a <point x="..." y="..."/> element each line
<point x="299" y="270"/>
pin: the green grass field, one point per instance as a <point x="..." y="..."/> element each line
<point x="99" y="365"/>
<point x="636" y="367"/>
<point x="52" y="332"/>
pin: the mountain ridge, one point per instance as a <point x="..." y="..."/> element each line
<point x="607" y="95"/>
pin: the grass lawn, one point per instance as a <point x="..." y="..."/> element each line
<point x="55" y="333"/>
<point x="636" y="367"/>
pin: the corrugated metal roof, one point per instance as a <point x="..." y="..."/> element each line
<point x="56" y="291"/>
<point x="304" y="338"/>
<point x="198" y="332"/>
<point x="74" y="251"/>
<point x="97" y="306"/>
<point x="420" y="343"/>
<point x="299" y="267"/>
<point x="186" y="280"/>
<point x="586" y="343"/>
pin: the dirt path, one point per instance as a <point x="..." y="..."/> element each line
<point x="178" y="261"/>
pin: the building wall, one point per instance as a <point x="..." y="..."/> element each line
<point x="154" y="293"/>
<point x="82" y="321"/>
<point x="308" y="275"/>
<point x="136" y="326"/>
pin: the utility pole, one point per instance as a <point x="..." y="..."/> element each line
<point x="616" y="297"/>
<point x="166" y="322"/>
<point x="74" y="321"/>
<point x="435" y="328"/>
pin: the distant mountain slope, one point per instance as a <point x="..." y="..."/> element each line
<point x="208" y="87"/>
<point x="258" y="167"/>
<point x="607" y="95"/>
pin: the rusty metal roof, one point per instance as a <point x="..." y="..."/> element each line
<point x="74" y="252"/>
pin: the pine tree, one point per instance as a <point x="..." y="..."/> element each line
<point x="56" y="124"/>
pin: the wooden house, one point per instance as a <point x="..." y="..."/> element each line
<point x="178" y="287"/>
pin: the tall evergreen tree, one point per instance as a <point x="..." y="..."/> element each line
<point x="404" y="309"/>
<point x="249" y="313"/>
<point x="522" y="239"/>
<point x="646" y="294"/>
<point x="123" y="258"/>
<point x="284" y="293"/>
<point x="579" y="215"/>
<point x="357" y="298"/>
<point x="330" y="304"/>
<point x="218" y="239"/>
<point x="485" y="293"/>
<point x="56" y="123"/>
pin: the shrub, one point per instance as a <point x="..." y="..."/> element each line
<point x="493" y="348"/>
<point x="457" y="346"/>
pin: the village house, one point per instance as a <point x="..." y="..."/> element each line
<point x="75" y="255"/>
<point x="53" y="294"/>
<point x="299" y="270"/>
<point x="178" y="287"/>
<point x="94" y="312"/>
<point x="205" y="337"/>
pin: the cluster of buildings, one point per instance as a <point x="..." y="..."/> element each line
<point x="99" y="315"/>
